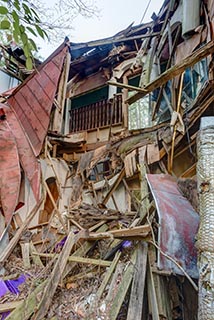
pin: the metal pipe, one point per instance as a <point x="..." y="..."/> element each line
<point x="205" y="238"/>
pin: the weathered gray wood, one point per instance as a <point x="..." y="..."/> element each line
<point x="96" y="262"/>
<point x="114" y="186"/>
<point x="138" y="232"/>
<point x="152" y="294"/>
<point x="122" y="289"/>
<point x="137" y="292"/>
<point x="125" y="86"/>
<point x="25" y="309"/>
<point x="85" y="247"/>
<point x="55" y="276"/>
<point x="36" y="259"/>
<point x="25" y="247"/>
<point x="8" y="306"/>
<point x="108" y="276"/>
<point x="174" y="71"/>
<point x="6" y="253"/>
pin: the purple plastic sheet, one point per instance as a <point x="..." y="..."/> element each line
<point x="11" y="286"/>
<point x="60" y="244"/>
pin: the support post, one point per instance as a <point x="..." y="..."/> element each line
<point x="205" y="238"/>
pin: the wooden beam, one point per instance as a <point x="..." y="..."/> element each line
<point x="128" y="233"/>
<point x="174" y="71"/>
<point x="55" y="276"/>
<point x="114" y="187"/>
<point x="126" y="86"/>
<point x="122" y="289"/>
<point x="84" y="248"/>
<point x="96" y="262"/>
<point x="152" y="293"/>
<point x="25" y="248"/>
<point x="8" y="306"/>
<point x="25" y="309"/>
<point x="54" y="205"/>
<point x="137" y="292"/>
<point x="13" y="242"/>
<point x="36" y="259"/>
<point x="97" y="43"/>
<point x="108" y="276"/>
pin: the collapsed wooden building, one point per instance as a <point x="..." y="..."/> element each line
<point x="98" y="188"/>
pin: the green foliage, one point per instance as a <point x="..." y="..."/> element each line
<point x="25" y="20"/>
<point x="21" y="21"/>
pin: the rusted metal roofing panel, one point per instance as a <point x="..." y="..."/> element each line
<point x="10" y="176"/>
<point x="33" y="100"/>
<point x="29" y="162"/>
<point x="8" y="92"/>
<point x="178" y="224"/>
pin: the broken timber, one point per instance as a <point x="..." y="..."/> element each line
<point x="174" y="71"/>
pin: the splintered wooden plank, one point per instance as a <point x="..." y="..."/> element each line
<point x="122" y="289"/>
<point x="8" y="306"/>
<point x="25" y="247"/>
<point x="96" y="262"/>
<point x="128" y="233"/>
<point x="55" y="276"/>
<point x="36" y="259"/>
<point x="114" y="187"/>
<point x="85" y="247"/>
<point x="13" y="242"/>
<point x="137" y="292"/>
<point x="175" y="70"/>
<point x="25" y="309"/>
<point x="152" y="294"/>
<point x="108" y="276"/>
<point x="130" y="164"/>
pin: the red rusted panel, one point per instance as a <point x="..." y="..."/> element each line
<point x="40" y="100"/>
<point x="30" y="164"/>
<point x="38" y="92"/>
<point x="10" y="176"/>
<point x="8" y="92"/>
<point x="178" y="225"/>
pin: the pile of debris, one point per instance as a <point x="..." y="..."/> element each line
<point x="100" y="263"/>
<point x="98" y="190"/>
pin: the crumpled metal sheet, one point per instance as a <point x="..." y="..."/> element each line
<point x="178" y="225"/>
<point x="28" y="118"/>
<point x="27" y="158"/>
<point x="33" y="100"/>
<point x="10" y="176"/>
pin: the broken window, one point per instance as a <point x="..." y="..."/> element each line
<point x="194" y="78"/>
<point x="141" y="112"/>
<point x="100" y="171"/>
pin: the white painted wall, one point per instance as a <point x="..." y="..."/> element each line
<point x="61" y="169"/>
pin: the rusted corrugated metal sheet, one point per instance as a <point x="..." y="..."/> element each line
<point x="178" y="224"/>
<point x="33" y="100"/>
<point x="10" y="175"/>
<point x="8" y="92"/>
<point x="23" y="132"/>
<point x="27" y="158"/>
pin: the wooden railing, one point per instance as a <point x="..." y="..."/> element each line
<point x="97" y="115"/>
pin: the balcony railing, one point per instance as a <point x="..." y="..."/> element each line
<point x="97" y="115"/>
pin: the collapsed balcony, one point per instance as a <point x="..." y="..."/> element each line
<point x="106" y="112"/>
